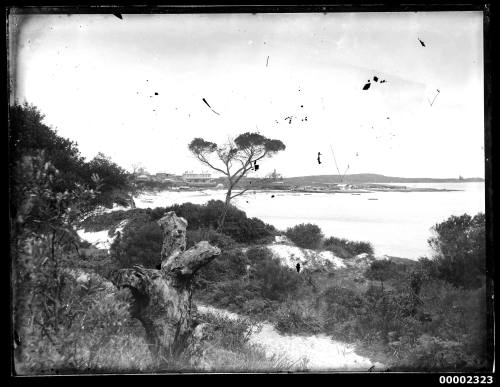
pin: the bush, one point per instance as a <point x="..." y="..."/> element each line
<point x="237" y="225"/>
<point x="296" y="317"/>
<point x="231" y="294"/>
<point x="344" y="248"/>
<point x="381" y="270"/>
<point x="305" y="235"/>
<point x="28" y="135"/>
<point x="434" y="353"/>
<point x="224" y="242"/>
<point x="233" y="278"/>
<point x="460" y="250"/>
<point x="230" y="265"/>
<point x="140" y="244"/>
<point x="227" y="333"/>
<point x="276" y="281"/>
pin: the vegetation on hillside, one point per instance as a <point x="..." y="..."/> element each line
<point x="308" y="236"/>
<point x="427" y="315"/>
<point x="416" y="315"/>
<point x="67" y="317"/>
<point x="30" y="137"/>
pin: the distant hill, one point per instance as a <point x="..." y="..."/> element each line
<point x="371" y="178"/>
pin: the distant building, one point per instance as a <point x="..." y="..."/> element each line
<point x="164" y="177"/>
<point x="191" y="177"/>
<point x="144" y="177"/>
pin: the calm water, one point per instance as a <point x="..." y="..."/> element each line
<point x="397" y="223"/>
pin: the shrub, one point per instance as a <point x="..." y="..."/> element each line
<point x="140" y="244"/>
<point x="228" y="333"/>
<point x="296" y="317"/>
<point x="344" y="248"/>
<point x="305" y="235"/>
<point x="381" y="270"/>
<point x="434" y="353"/>
<point x="224" y="242"/>
<point x="231" y="294"/>
<point x="258" y="254"/>
<point x="28" y="135"/>
<point x="231" y="264"/>
<point x="256" y="307"/>
<point x="460" y="250"/>
<point x="341" y="303"/>
<point x="276" y="281"/>
<point x="237" y="225"/>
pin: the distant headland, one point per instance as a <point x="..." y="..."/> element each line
<point x="373" y="178"/>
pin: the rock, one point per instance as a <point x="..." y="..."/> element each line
<point x="282" y="239"/>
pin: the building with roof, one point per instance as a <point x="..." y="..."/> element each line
<point x="191" y="177"/>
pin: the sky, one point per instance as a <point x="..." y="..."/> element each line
<point x="133" y="88"/>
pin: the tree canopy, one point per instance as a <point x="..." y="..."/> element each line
<point x="459" y="244"/>
<point x="236" y="158"/>
<point x="29" y="136"/>
<point x="246" y="149"/>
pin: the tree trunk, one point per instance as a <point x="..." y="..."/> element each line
<point x="224" y="212"/>
<point x="162" y="298"/>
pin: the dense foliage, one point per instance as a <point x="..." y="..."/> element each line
<point x="305" y="235"/>
<point x="237" y="225"/>
<point x="248" y="282"/>
<point x="29" y="136"/>
<point x="405" y="310"/>
<point x="381" y="270"/>
<point x="420" y="316"/>
<point x="344" y="248"/>
<point x="141" y="239"/>
<point x="140" y="245"/>
<point x="63" y="320"/>
<point x="460" y="250"/>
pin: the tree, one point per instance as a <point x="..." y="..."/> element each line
<point x="305" y="235"/>
<point x="238" y="157"/>
<point x="460" y="250"/>
<point x="28" y="136"/>
<point x="137" y="169"/>
<point x="115" y="182"/>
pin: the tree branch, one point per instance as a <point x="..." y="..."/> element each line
<point x="191" y="260"/>
<point x="248" y="161"/>
<point x="242" y="174"/>
<point x="263" y="155"/>
<point x="204" y="160"/>
<point x="240" y="193"/>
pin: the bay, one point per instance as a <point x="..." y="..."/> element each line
<point x="395" y="223"/>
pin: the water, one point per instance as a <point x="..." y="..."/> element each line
<point x="397" y="223"/>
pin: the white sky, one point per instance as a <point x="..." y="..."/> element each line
<point x="95" y="78"/>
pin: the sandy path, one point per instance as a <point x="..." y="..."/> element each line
<point x="316" y="352"/>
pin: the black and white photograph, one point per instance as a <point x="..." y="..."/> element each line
<point x="288" y="191"/>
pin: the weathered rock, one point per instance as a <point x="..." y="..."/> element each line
<point x="162" y="298"/>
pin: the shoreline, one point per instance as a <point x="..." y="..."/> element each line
<point x="347" y="191"/>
